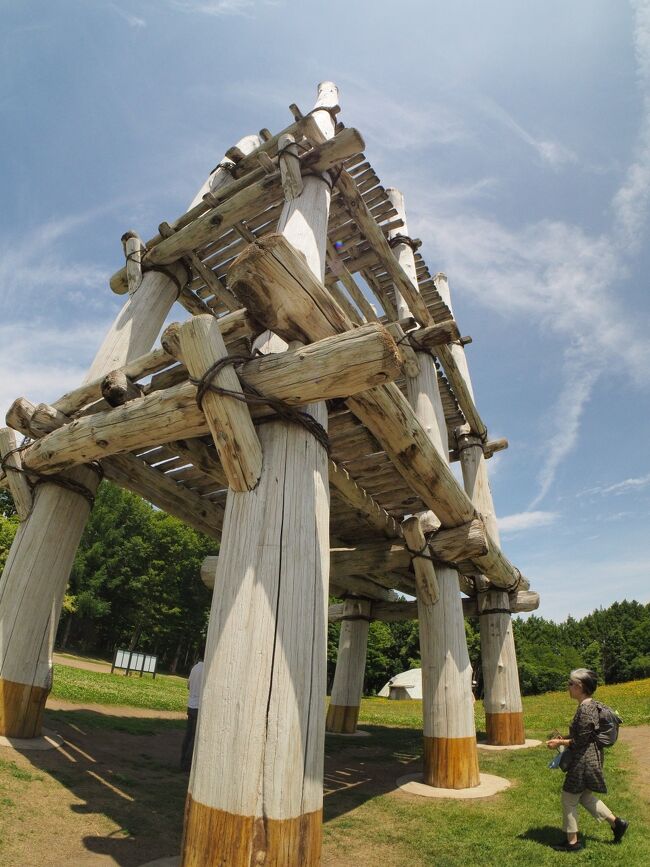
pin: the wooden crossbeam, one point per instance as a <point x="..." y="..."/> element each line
<point x="273" y="281"/>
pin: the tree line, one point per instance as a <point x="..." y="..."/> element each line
<point x="135" y="584"/>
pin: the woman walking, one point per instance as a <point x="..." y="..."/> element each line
<point x="585" y="773"/>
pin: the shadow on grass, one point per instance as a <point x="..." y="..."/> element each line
<point x="123" y="768"/>
<point x="359" y="770"/>
<point x="126" y="769"/>
<point x="546" y="835"/>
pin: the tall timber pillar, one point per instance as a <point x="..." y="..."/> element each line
<point x="38" y="566"/>
<point x="504" y="717"/>
<point x="347" y="689"/>
<point x="450" y="752"/>
<point x="502" y="698"/>
<point x="256" y="788"/>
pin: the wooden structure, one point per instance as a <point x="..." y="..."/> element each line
<point x="305" y="415"/>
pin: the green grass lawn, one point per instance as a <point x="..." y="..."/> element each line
<point x="369" y="823"/>
<point x="164" y="692"/>
<point x="542" y="713"/>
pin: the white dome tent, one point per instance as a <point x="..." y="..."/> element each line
<point x="406" y="685"/>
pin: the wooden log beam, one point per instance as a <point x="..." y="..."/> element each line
<point x="324" y="370"/>
<point x="258" y="195"/>
<point x="273" y="282"/>
<point x="359" y="212"/>
<point x="229" y="419"/>
<point x="17" y="482"/>
<point x="402" y="610"/>
<point x="134" y="474"/>
<point x="434" y="336"/>
<point x="361" y="501"/>
<point x="447" y="545"/>
<point x="233" y="327"/>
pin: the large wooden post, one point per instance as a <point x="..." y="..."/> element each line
<point x="502" y="695"/>
<point x="38" y="566"/>
<point x="347" y="689"/>
<point x="255" y="793"/>
<point x="450" y="752"/>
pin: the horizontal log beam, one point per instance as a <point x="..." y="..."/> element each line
<point x="272" y="280"/>
<point x="329" y="369"/>
<point x="238" y="207"/>
<point x="396" y="612"/>
<point x="133" y="474"/>
<point x="233" y="327"/>
<point x="434" y="336"/>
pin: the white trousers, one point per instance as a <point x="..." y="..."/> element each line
<point x="589" y="801"/>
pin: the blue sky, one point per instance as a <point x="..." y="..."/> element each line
<point x="520" y="136"/>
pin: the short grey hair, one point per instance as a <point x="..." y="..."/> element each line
<point x="587" y="679"/>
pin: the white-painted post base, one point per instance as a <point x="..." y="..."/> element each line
<point x="347" y="689"/>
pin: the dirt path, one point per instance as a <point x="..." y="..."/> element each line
<point x="114" y="710"/>
<point x="86" y="664"/>
<point x="638" y="739"/>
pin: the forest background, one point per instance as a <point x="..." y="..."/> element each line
<point x="135" y="584"/>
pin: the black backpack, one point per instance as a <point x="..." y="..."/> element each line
<point x="606" y="734"/>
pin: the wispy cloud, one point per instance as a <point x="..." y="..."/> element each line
<point x="42" y="362"/>
<point x="561" y="277"/>
<point x="36" y="265"/>
<point x="523" y="521"/>
<point x="132" y="20"/>
<point x="632" y="200"/>
<point x="624" y="487"/>
<point x="216" y="8"/>
<point x="410" y="127"/>
<point x="552" y="153"/>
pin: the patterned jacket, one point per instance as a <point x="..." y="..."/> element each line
<point x="586" y="770"/>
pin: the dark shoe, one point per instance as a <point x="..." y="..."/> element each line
<point x="569" y="847"/>
<point x="619" y="829"/>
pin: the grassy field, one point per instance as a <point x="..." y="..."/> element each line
<point x="164" y="692"/>
<point x="367" y="820"/>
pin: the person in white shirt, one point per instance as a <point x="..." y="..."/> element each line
<point x="194" y="685"/>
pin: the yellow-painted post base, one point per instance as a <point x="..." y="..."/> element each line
<point x="451" y="763"/>
<point x="214" y="838"/>
<point x="505" y="729"/>
<point x="342" y="718"/>
<point x="21" y="709"/>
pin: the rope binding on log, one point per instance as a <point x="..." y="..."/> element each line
<point x="43" y="478"/>
<point x="413" y="243"/>
<point x="253" y="397"/>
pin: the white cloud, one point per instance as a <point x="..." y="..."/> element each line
<point x="216" y="8"/>
<point x="552" y="153"/>
<point x="632" y="200"/>
<point x="624" y="487"/>
<point x="35" y="265"/>
<point x="42" y="363"/>
<point x="131" y="20"/>
<point x="523" y="521"/>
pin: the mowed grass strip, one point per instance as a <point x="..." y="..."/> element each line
<point x="542" y="713"/>
<point x="165" y="692"/>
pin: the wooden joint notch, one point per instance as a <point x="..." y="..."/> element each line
<point x="240" y="451"/>
<point x="425" y="575"/>
<point x="429" y="338"/>
<point x="289" y="162"/>
<point x="489" y="448"/>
